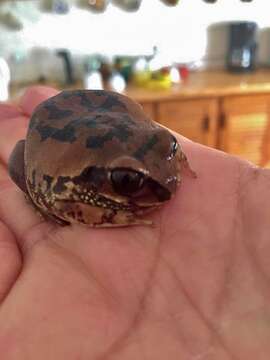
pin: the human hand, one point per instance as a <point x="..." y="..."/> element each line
<point x="196" y="286"/>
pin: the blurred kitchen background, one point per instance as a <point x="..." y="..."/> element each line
<point x="200" y="67"/>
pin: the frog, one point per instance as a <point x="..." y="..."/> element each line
<point x="93" y="157"/>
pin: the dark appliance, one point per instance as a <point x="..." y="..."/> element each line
<point x="66" y="57"/>
<point x="241" y="55"/>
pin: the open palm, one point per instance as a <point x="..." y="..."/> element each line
<point x="196" y="286"/>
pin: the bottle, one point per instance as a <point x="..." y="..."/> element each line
<point x="92" y="76"/>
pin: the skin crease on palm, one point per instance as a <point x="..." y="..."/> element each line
<point x="194" y="287"/>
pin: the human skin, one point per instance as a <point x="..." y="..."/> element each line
<point x="194" y="287"/>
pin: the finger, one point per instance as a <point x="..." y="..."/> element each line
<point x="12" y="130"/>
<point x="34" y="95"/>
<point x="16" y="211"/>
<point x="10" y="261"/>
<point x="3" y="173"/>
<point x="8" y="111"/>
<point x="255" y="198"/>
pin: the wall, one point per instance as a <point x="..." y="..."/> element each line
<point x="181" y="33"/>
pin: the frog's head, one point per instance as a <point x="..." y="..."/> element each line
<point x="118" y="184"/>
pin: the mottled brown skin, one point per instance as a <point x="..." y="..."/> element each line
<point x="93" y="157"/>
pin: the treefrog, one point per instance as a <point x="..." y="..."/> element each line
<point x="93" y="157"/>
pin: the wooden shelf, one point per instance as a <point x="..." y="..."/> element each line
<point x="199" y="84"/>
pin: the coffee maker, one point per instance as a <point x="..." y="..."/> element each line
<point x="241" y="54"/>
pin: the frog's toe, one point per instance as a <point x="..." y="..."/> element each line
<point x="16" y="166"/>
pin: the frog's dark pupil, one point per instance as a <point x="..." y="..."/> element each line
<point x="126" y="182"/>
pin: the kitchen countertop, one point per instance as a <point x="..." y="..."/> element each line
<point x="200" y="84"/>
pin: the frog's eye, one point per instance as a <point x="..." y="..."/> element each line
<point x="126" y="182"/>
<point x="173" y="148"/>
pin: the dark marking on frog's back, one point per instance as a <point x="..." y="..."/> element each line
<point x="87" y="99"/>
<point x="110" y="101"/>
<point x="145" y="147"/>
<point x="66" y="134"/>
<point x="113" y="101"/>
<point x="120" y="132"/>
<point x="112" y="128"/>
<point x="103" y="122"/>
<point x="56" y="113"/>
<point x="34" y="121"/>
<point x="110" y="117"/>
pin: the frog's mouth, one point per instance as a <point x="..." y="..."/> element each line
<point x="122" y="189"/>
<point x="86" y="205"/>
<point x="151" y="196"/>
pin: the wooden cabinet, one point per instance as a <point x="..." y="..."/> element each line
<point x="195" y="119"/>
<point x="244" y="122"/>
<point x="265" y="158"/>
<point x="239" y="125"/>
